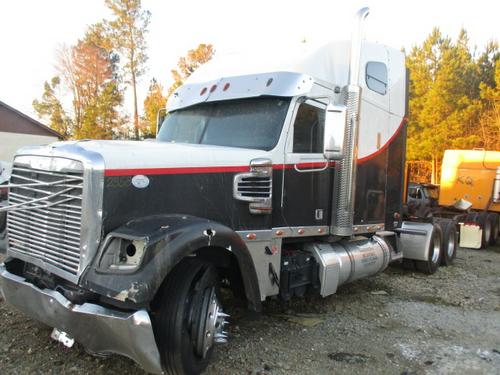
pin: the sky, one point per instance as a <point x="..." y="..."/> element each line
<point x="31" y="31"/>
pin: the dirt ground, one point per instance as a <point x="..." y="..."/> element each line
<point x="399" y="322"/>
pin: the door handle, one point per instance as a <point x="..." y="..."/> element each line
<point x="320" y="169"/>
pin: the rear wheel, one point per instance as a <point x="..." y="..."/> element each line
<point x="449" y="244"/>
<point x="431" y="265"/>
<point x="493" y="219"/>
<point x="189" y="318"/>
<point x="485" y="224"/>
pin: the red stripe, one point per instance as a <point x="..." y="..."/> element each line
<point x="385" y="146"/>
<point x="197" y="170"/>
<point x="179" y="170"/>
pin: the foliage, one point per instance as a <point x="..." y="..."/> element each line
<point x="89" y="73"/>
<point x="447" y="99"/>
<point x="155" y="100"/>
<point x="189" y="63"/>
<point x="50" y="108"/>
<point x="490" y="115"/>
<point x="128" y="31"/>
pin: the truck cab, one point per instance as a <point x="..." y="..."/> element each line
<point x="272" y="176"/>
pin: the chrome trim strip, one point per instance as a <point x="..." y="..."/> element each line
<point x="367" y="228"/>
<point x="98" y="328"/>
<point x="284" y="232"/>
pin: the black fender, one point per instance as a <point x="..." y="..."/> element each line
<point x="169" y="238"/>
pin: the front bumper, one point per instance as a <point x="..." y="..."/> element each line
<point x="99" y="329"/>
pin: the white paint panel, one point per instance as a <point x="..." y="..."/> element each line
<point x="11" y="142"/>
<point x="397" y="82"/>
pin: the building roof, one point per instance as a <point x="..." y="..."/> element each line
<point x="14" y="121"/>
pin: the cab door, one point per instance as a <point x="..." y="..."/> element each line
<point x="308" y="175"/>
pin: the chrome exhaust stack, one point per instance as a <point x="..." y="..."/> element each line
<point x="345" y="188"/>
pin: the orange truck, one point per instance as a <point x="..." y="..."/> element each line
<point x="466" y="175"/>
<point x="473" y="175"/>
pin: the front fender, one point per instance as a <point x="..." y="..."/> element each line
<point x="169" y="239"/>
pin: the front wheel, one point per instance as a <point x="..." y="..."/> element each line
<point x="189" y="318"/>
<point x="433" y="261"/>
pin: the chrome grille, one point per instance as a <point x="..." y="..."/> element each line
<point x="44" y="221"/>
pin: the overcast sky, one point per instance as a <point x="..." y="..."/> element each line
<point x="31" y="31"/>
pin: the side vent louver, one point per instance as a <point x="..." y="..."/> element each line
<point x="256" y="186"/>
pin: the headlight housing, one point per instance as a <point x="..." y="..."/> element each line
<point x="122" y="253"/>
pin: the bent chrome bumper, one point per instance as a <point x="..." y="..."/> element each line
<point x="97" y="328"/>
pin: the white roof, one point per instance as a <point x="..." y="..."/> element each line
<point x="329" y="62"/>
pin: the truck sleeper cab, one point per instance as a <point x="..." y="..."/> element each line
<point x="274" y="182"/>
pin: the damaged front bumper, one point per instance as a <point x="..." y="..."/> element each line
<point x="99" y="329"/>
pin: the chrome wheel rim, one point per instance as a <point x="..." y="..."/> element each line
<point x="213" y="321"/>
<point x="436" y="248"/>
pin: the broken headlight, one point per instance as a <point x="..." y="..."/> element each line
<point x="122" y="254"/>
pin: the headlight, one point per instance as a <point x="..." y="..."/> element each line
<point x="122" y="254"/>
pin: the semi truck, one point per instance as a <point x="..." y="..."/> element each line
<point x="271" y="179"/>
<point x="472" y="176"/>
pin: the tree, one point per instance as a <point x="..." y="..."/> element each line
<point x="490" y="114"/>
<point x="89" y="72"/>
<point x="188" y="64"/>
<point x="128" y="30"/>
<point x="50" y="108"/>
<point x="155" y="100"/>
<point x="443" y="112"/>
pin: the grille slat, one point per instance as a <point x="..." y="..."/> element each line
<point x="48" y="221"/>
<point x="46" y="258"/>
<point x="53" y="210"/>
<point x="22" y="229"/>
<point x="50" y="234"/>
<point x="53" y="217"/>
<point x="55" y="251"/>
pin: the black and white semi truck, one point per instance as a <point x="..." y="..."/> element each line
<point x="272" y="178"/>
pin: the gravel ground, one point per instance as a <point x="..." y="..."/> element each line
<point x="399" y="322"/>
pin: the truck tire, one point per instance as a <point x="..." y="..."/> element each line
<point x="449" y="244"/>
<point x="485" y="224"/>
<point x="188" y="317"/>
<point x="433" y="261"/>
<point x="493" y="219"/>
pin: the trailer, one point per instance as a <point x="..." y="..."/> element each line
<point x="471" y="176"/>
<point x="271" y="178"/>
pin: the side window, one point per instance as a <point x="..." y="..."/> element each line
<point x="376" y="77"/>
<point x="308" y="129"/>
<point x="419" y="194"/>
<point x="412" y="192"/>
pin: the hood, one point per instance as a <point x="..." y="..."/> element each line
<point x="150" y="155"/>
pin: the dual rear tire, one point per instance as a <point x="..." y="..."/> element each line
<point x="434" y="253"/>
<point x="489" y="223"/>
<point x="442" y="248"/>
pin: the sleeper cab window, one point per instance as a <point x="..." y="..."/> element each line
<point x="376" y="77"/>
<point x="308" y="129"/>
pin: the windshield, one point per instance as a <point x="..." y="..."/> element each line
<point x="248" y="123"/>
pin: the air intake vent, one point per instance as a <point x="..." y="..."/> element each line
<point x="256" y="186"/>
